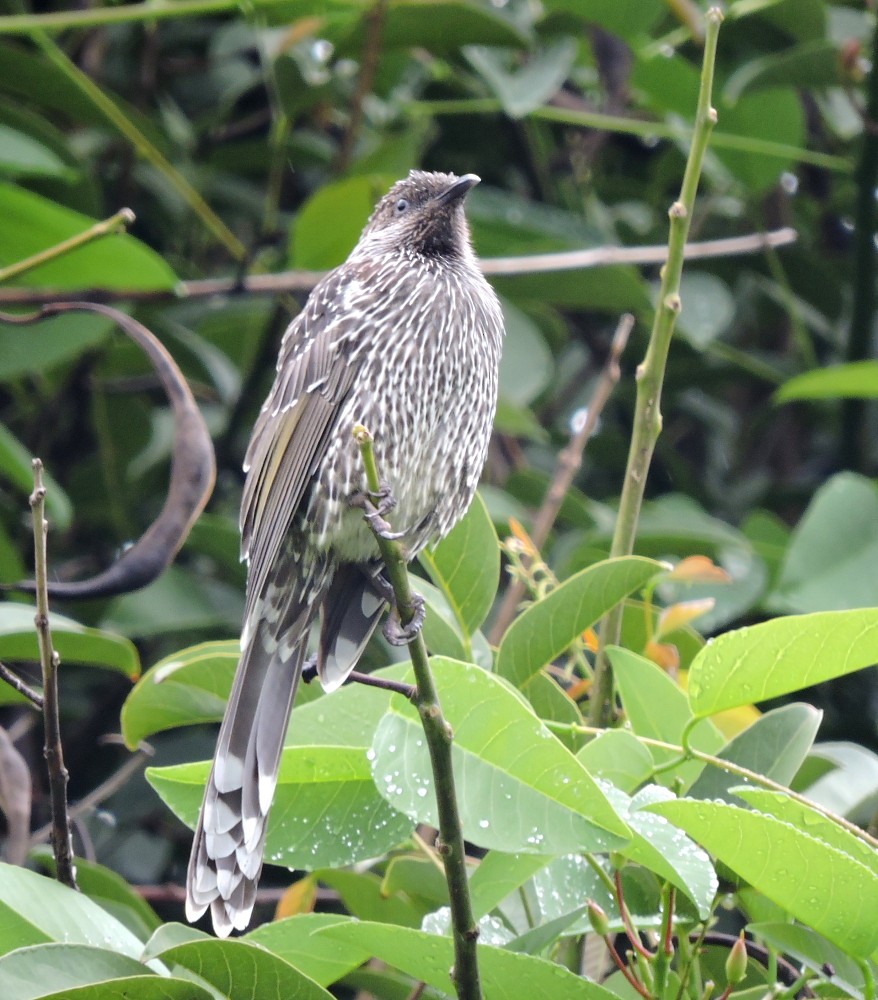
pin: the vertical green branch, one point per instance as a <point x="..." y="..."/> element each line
<point x="651" y="373"/>
<point x="438" y="735"/>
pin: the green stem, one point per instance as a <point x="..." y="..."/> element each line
<point x="115" y="224"/>
<point x="859" y="347"/>
<point x="143" y="147"/>
<point x="639" y="127"/>
<point x="438" y="736"/>
<point x="690" y="753"/>
<point x="647" y="411"/>
<point x="155" y="10"/>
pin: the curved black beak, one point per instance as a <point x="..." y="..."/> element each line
<point x="458" y="189"/>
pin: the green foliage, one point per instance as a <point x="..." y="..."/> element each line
<point x="264" y="136"/>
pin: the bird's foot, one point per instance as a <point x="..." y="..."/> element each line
<point x="398" y="634"/>
<point x="374" y="512"/>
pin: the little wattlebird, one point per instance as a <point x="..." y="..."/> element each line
<point x="404" y="338"/>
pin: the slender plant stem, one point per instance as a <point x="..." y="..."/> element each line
<point x="859" y="346"/>
<point x="585" y="118"/>
<point x="115" y="224"/>
<point x="103" y="791"/>
<point x="438" y="735"/>
<point x="651" y="373"/>
<point x="62" y="844"/>
<point x="689" y="752"/>
<point x="14" y="681"/>
<point x="304" y="281"/>
<point x="569" y="461"/>
<point x="142" y="146"/>
<point x="151" y="11"/>
<point x="368" y="68"/>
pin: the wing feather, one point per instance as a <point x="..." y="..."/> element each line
<point x="316" y="371"/>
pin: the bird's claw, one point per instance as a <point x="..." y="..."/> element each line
<point x="398" y="634"/>
<point x="374" y="511"/>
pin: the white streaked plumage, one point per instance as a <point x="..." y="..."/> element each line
<point x="405" y="338"/>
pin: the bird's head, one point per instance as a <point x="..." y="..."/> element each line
<point x="422" y="215"/>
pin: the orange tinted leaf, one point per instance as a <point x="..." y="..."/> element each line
<point x="665" y="654"/>
<point x="698" y="569"/>
<point x="299" y="898"/>
<point x="675" y="616"/>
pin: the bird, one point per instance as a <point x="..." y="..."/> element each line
<point x="404" y="338"/>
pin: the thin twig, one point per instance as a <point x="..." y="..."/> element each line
<point x="115" y="224"/>
<point x="62" y="845"/>
<point x="375" y="18"/>
<point x="691" y="753"/>
<point x="23" y="688"/>
<point x="651" y="373"/>
<point x="465" y="930"/>
<point x="304" y="281"/>
<point x="103" y="791"/>
<point x="569" y="461"/>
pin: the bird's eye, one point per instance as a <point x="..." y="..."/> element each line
<point x="401" y="206"/>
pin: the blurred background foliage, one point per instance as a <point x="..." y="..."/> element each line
<point x="253" y="139"/>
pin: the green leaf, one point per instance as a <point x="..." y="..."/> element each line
<point x="39" y="348"/>
<point x="187" y="687"/>
<point x="846" y="781"/>
<point x="239" y="969"/>
<point x="23" y="156"/>
<point x="708" y="308"/>
<point x="829" y="563"/>
<point x="16" y="466"/>
<point x="857" y="380"/>
<point x="612" y="289"/>
<point x="658" y="709"/>
<point x="505" y="975"/>
<point x="451" y="24"/>
<point x="321" y="791"/>
<point x="178" y="601"/>
<point x="111" y="892"/>
<point x="619" y="757"/>
<point x="545" y="629"/>
<point x="77" y="972"/>
<point x="36" y="910"/>
<point x="497" y="875"/>
<point x="774" y="746"/>
<point x="74" y="643"/>
<point x="295" y="940"/>
<point x="330" y="222"/>
<point x="815" y="953"/>
<point x="663" y="849"/>
<point x="465" y="566"/>
<point x="815" y="883"/>
<point x="363" y="895"/>
<point x="442" y="632"/>
<point x="814" y="823"/>
<point x="33" y="224"/>
<point x="765" y="116"/>
<point x="526" y="366"/>
<point x="813" y="65"/>
<point x="528" y="86"/>
<point x="519" y="788"/>
<point x="779" y="656"/>
<point x="627" y="18"/>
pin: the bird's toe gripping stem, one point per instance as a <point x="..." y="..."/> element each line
<point x="374" y="512"/>
<point x="398" y="634"/>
